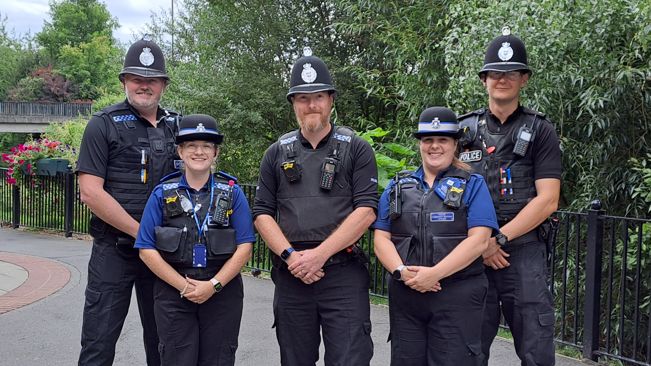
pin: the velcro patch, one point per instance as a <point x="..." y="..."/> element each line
<point x="470" y="156"/>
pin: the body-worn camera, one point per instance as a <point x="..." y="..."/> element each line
<point x="292" y="170"/>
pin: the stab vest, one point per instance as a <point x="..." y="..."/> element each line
<point x="178" y="234"/>
<point x="427" y="230"/>
<point x="509" y="196"/>
<point x="123" y="179"/>
<point x="306" y="212"/>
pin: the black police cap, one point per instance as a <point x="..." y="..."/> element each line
<point x="144" y="58"/>
<point x="309" y="75"/>
<point x="438" y="121"/>
<point x="198" y="127"/>
<point x="505" y="53"/>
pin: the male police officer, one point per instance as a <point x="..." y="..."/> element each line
<point x="517" y="151"/>
<point x="317" y="195"/>
<point x="126" y="149"/>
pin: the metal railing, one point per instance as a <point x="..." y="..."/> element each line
<point x="45" y="109"/>
<point x="600" y="273"/>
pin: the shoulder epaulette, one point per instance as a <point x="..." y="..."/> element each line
<point x="477" y="112"/>
<point x="226" y="176"/>
<point x="172" y="176"/>
<point x="531" y="111"/>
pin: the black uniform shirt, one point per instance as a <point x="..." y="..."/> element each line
<point x="546" y="152"/>
<point x="364" y="175"/>
<point x="100" y="142"/>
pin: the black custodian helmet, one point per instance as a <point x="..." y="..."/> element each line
<point x="199" y="127"/>
<point x="505" y="53"/>
<point x="144" y="58"/>
<point x="309" y="75"/>
<point x="438" y="121"/>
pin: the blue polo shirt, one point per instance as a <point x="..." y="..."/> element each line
<point x="476" y="197"/>
<point x="240" y="219"/>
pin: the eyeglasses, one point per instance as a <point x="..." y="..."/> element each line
<point x="193" y="146"/>
<point x="510" y="75"/>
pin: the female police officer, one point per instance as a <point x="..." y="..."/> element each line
<point x="195" y="235"/>
<point x="433" y="225"/>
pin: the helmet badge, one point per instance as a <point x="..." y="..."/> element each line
<point x="200" y="128"/>
<point x="308" y="74"/>
<point x="505" y="52"/>
<point x="146" y="57"/>
<point x="436" y="123"/>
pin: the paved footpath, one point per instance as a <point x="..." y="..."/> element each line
<point x="42" y="283"/>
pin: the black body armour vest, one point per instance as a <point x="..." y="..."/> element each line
<point x="509" y="176"/>
<point x="307" y="212"/>
<point x="178" y="234"/>
<point x="138" y="142"/>
<point x="427" y="229"/>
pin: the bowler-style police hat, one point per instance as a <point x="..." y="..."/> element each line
<point x="144" y="58"/>
<point x="438" y="121"/>
<point x="505" y="53"/>
<point x="309" y="75"/>
<point x="198" y="127"/>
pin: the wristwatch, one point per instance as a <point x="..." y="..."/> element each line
<point x="397" y="273"/>
<point x="286" y="253"/>
<point x="501" y="239"/>
<point x="216" y="284"/>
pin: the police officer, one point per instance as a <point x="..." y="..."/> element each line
<point x="196" y="234"/>
<point x="517" y="151"/>
<point x="437" y="286"/>
<point x="317" y="195"/>
<point x="126" y="149"/>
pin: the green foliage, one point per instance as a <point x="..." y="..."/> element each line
<point x="28" y="89"/>
<point x="391" y="157"/>
<point x="74" y="23"/>
<point x="69" y="134"/>
<point x="643" y="190"/>
<point x="106" y="100"/>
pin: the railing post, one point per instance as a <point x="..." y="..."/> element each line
<point x="593" y="258"/>
<point x="68" y="202"/>
<point x="15" y="212"/>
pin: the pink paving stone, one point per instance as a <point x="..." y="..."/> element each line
<point x="44" y="277"/>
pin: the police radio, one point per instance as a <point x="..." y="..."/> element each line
<point x="395" y="201"/>
<point x="328" y="173"/>
<point x="525" y="136"/>
<point x="223" y="207"/>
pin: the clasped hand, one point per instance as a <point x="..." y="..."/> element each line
<point x="198" y="291"/>
<point x="306" y="265"/>
<point x="421" y="279"/>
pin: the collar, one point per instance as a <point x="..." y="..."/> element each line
<point x="160" y="112"/>
<point x="321" y="143"/>
<point x="183" y="183"/>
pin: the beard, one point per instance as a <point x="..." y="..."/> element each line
<point x="143" y="99"/>
<point x="313" y="124"/>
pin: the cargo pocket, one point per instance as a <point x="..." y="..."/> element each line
<point x="546" y="321"/>
<point x="92" y="310"/>
<point x="168" y="243"/>
<point x="221" y="243"/>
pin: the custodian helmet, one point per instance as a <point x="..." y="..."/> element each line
<point x="505" y="53"/>
<point x="309" y="75"/>
<point x="144" y="58"/>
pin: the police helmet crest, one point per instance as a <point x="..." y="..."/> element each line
<point x="309" y="75"/>
<point x="505" y="53"/>
<point x="201" y="127"/>
<point x="438" y="121"/>
<point x="144" y="58"/>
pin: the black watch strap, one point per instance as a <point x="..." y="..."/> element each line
<point x="286" y="253"/>
<point x="501" y="239"/>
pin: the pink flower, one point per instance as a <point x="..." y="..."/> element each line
<point x="11" y="180"/>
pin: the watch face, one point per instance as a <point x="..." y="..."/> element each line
<point x="397" y="275"/>
<point x="218" y="287"/>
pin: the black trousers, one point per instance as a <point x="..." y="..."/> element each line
<point x="437" y="328"/>
<point x="521" y="293"/>
<point x="337" y="304"/>
<point x="198" y="334"/>
<point x="112" y="273"/>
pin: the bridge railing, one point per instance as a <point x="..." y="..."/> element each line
<point x="600" y="270"/>
<point x="44" y="109"/>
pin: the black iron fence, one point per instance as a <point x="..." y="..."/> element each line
<point x="600" y="273"/>
<point x="45" y="109"/>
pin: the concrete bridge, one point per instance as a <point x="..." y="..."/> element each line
<point x="28" y="117"/>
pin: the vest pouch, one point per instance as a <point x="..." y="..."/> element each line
<point x="220" y="242"/>
<point x="441" y="246"/>
<point x="169" y="242"/>
<point x="403" y="246"/>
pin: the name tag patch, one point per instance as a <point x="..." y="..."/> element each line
<point x="470" y="156"/>
<point x="441" y="216"/>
